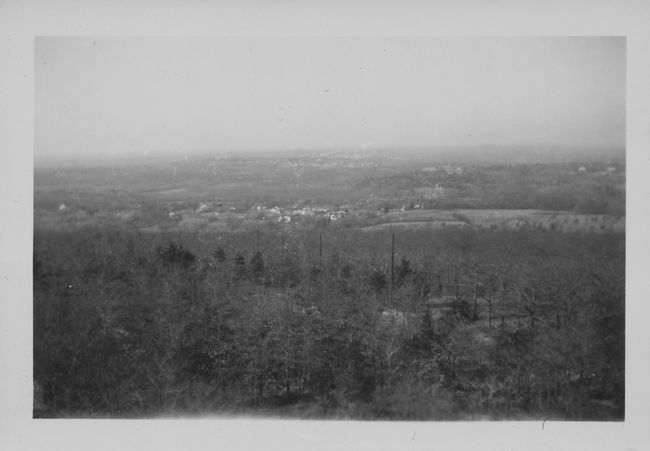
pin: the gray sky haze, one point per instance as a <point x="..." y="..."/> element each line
<point x="131" y="95"/>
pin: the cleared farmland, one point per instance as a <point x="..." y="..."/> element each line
<point x="503" y="219"/>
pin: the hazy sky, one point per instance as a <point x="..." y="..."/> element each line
<point x="116" y="95"/>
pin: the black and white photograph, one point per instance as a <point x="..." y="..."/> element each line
<point x="330" y="228"/>
<point x="324" y="225"/>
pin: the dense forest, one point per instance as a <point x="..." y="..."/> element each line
<point x="325" y="323"/>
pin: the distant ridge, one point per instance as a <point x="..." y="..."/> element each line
<point x="442" y="154"/>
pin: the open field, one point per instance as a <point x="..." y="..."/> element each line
<point x="504" y="219"/>
<point x="405" y="225"/>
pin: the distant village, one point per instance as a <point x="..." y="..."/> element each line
<point x="278" y="214"/>
<point x="262" y="212"/>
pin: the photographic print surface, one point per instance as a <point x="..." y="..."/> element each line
<point x="330" y="228"/>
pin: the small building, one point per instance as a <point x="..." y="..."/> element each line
<point x="454" y="170"/>
<point x="63" y="207"/>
